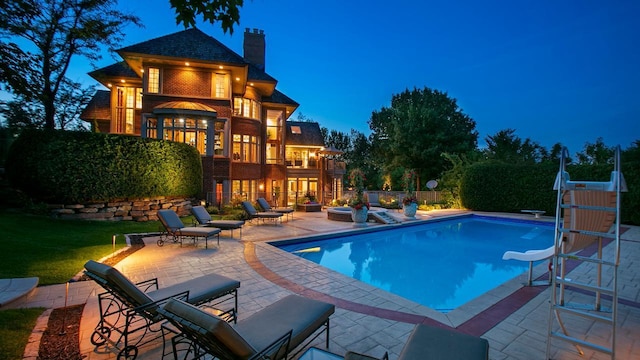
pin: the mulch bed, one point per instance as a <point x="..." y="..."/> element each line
<point x="61" y="339"/>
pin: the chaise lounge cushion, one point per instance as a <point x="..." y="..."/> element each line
<point x="429" y="342"/>
<point x="266" y="207"/>
<point x="253" y="213"/>
<point x="115" y="277"/>
<point x="302" y="315"/>
<point x="201" y="289"/>
<point x="203" y="218"/>
<point x="215" y="327"/>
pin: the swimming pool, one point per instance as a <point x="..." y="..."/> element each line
<point x="441" y="264"/>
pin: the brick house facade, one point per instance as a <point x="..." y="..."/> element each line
<point x="189" y="87"/>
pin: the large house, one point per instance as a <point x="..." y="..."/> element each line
<point x="189" y="87"/>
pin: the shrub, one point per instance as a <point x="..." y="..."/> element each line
<point x="495" y="186"/>
<point x="67" y="166"/>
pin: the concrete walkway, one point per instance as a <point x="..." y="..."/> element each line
<point x="367" y="319"/>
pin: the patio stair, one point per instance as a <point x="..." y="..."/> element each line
<point x="385" y="218"/>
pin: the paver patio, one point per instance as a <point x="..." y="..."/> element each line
<point x="367" y="319"/>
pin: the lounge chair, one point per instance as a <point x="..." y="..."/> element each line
<point x="177" y="231"/>
<point x="531" y="256"/>
<point x="127" y="308"/>
<point x="254" y="214"/>
<point x="434" y="343"/>
<point x="270" y="333"/>
<point x="266" y="207"/>
<point x="203" y="218"/>
<point x="374" y="199"/>
<point x="586" y="219"/>
<point x="574" y="218"/>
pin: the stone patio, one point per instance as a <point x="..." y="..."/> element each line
<point x="512" y="318"/>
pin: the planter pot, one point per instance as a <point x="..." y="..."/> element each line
<point x="410" y="210"/>
<point x="359" y="216"/>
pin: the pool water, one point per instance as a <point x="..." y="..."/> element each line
<point x="441" y="264"/>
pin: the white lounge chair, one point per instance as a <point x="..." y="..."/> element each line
<point x="531" y="256"/>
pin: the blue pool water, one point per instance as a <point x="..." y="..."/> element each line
<point x="442" y="264"/>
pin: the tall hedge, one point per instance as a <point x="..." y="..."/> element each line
<point x="496" y="186"/>
<point x="66" y="166"/>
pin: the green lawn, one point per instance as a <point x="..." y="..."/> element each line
<point x="56" y="250"/>
<point x="15" y="329"/>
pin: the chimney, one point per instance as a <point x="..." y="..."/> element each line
<point x="254" y="47"/>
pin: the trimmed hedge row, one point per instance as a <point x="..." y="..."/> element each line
<point x="67" y="166"/>
<point x="495" y="186"/>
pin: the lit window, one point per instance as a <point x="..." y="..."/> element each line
<point x="237" y="106"/>
<point x="138" y="98"/>
<point x="245" y="148"/>
<point x="153" y="85"/>
<point x="296" y="130"/>
<point x="187" y="131"/>
<point x="125" y="109"/>
<point x="246" y="107"/>
<point x="221" y="84"/>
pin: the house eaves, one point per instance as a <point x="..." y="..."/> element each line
<point x="115" y="73"/>
<point x="279" y="99"/>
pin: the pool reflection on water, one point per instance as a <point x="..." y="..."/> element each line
<point x="441" y="264"/>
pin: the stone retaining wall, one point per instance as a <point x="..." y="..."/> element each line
<point x="117" y="210"/>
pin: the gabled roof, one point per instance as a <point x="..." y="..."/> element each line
<point x="186" y="44"/>
<point x="309" y="135"/>
<point x="99" y="108"/>
<point x="120" y="69"/>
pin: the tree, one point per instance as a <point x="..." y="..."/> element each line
<point x="597" y="153"/>
<point x="419" y="126"/>
<point x="507" y="147"/>
<point x="225" y="11"/>
<point x="632" y="154"/>
<point x="39" y="38"/>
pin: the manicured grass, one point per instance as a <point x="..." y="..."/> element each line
<point x="56" y="250"/>
<point x="15" y="328"/>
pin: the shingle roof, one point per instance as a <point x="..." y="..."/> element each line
<point x="310" y="134"/>
<point x="120" y="69"/>
<point x="186" y="44"/>
<point x="99" y="108"/>
<point x="279" y="98"/>
<point x="259" y="75"/>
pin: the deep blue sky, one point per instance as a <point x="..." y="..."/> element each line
<point x="556" y="71"/>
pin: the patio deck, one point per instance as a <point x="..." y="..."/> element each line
<point x="512" y="318"/>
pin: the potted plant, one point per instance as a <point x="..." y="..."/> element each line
<point x="409" y="201"/>
<point x="359" y="207"/>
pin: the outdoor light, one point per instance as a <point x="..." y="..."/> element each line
<point x="220" y="67"/>
<point x="186" y="64"/>
<point x="261" y="187"/>
<point x="123" y="81"/>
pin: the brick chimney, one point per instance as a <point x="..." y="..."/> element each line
<point x="254" y="47"/>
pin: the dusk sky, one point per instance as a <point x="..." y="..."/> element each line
<point x="555" y="71"/>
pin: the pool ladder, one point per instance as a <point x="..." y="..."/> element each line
<point x="569" y="319"/>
